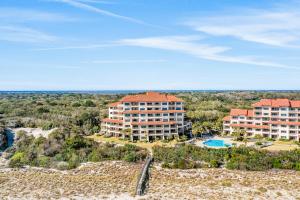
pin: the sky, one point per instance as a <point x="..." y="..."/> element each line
<point x="149" y="44"/>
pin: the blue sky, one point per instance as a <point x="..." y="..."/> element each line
<point x="149" y="44"/>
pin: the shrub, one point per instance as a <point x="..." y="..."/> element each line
<point x="42" y="110"/>
<point x="130" y="157"/>
<point x="47" y="126"/>
<point x="62" y="165"/>
<point x="74" y="161"/>
<point x="43" y="161"/>
<point x="297" y="166"/>
<point x="18" y="160"/>
<point x="76" y="104"/>
<point x="214" y="164"/>
<point x="89" y="103"/>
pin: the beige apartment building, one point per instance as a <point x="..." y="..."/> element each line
<point x="273" y="118"/>
<point x="148" y="116"/>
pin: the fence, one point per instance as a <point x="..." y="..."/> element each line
<point x="144" y="177"/>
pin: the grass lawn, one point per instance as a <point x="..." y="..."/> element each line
<point x="146" y="145"/>
<point x="282" y="146"/>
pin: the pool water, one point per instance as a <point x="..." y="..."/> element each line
<point x="216" y="143"/>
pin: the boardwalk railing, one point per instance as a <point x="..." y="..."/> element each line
<point x="144" y="177"/>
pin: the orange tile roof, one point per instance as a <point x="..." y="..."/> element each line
<point x="295" y="104"/>
<point x="250" y="126"/>
<point x="241" y="112"/>
<point x="154" y="123"/>
<point x="151" y="97"/>
<point x="116" y="121"/>
<point x="284" y="123"/>
<point x="115" y="104"/>
<point x="277" y="103"/>
<point x="227" y="118"/>
<point x="152" y="111"/>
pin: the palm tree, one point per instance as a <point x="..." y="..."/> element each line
<point x="239" y="133"/>
<point x="198" y="128"/>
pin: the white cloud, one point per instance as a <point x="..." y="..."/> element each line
<point x="97" y="1"/>
<point x="128" y="61"/>
<point x="91" y="46"/>
<point x="22" y="15"/>
<point x="277" y="28"/>
<point x="24" y="34"/>
<point x="80" y="4"/>
<point x="189" y="45"/>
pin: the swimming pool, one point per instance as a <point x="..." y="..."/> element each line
<point x="216" y="143"/>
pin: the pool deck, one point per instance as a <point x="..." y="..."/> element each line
<point x="276" y="146"/>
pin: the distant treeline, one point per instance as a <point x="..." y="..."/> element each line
<point x="85" y="111"/>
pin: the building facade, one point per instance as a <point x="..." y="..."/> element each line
<point x="272" y="118"/>
<point x="148" y="116"/>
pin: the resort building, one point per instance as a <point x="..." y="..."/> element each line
<point x="273" y="118"/>
<point x="148" y="116"/>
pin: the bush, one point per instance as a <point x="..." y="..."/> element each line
<point x="297" y="166"/>
<point x="62" y="165"/>
<point x="43" y="161"/>
<point x="18" y="160"/>
<point x="130" y="157"/>
<point x="89" y="103"/>
<point x="47" y="126"/>
<point x="76" y="104"/>
<point x="214" y="164"/>
<point x="74" y="161"/>
<point x="42" y="110"/>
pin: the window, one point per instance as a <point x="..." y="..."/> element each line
<point x="142" y="104"/>
<point x="143" y="115"/>
<point x="127" y="104"/>
<point x="282" y="108"/>
<point x="142" y="108"/>
<point x="164" y="103"/>
<point x="165" y="114"/>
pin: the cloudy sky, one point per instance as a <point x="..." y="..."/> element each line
<point x="149" y="44"/>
